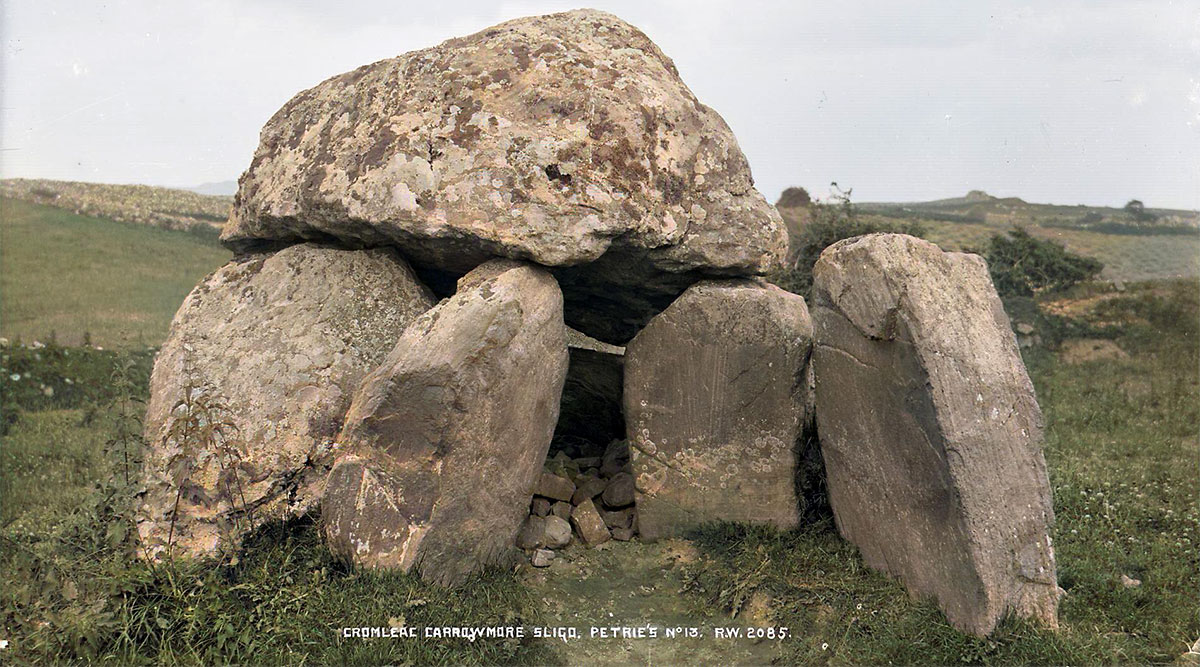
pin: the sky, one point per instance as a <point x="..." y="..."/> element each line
<point x="1064" y="102"/>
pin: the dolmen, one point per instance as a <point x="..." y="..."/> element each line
<point x="506" y="294"/>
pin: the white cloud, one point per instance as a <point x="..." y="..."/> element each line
<point x="1069" y="101"/>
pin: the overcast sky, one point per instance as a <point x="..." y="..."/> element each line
<point x="1064" y="102"/>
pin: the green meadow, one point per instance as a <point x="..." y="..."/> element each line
<point x="1121" y="446"/>
<point x="77" y="278"/>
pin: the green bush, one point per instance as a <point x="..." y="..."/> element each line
<point x="1021" y="264"/>
<point x="831" y="222"/>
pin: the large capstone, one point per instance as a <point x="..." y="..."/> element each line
<point x="249" y="390"/>
<point x="444" y="442"/>
<point x="566" y="139"/>
<point x="930" y="429"/>
<point x="715" y="404"/>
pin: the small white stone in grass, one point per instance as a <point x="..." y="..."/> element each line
<point x="541" y="558"/>
<point x="1129" y="582"/>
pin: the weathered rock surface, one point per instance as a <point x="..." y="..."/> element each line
<point x="930" y="429"/>
<point x="589" y="488"/>
<point x="561" y="510"/>
<point x="715" y="404"/>
<point x="553" y="486"/>
<point x="566" y="139"/>
<point x="557" y="533"/>
<point x="282" y="341"/>
<point x="619" y="492"/>
<point x="587" y="523"/>
<point x="541" y="558"/>
<point x="618" y="518"/>
<point x="532" y="532"/>
<point x="445" y="440"/>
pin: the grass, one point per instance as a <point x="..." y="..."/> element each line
<point x="76" y="591"/>
<point x="1121" y="448"/>
<point x="73" y="277"/>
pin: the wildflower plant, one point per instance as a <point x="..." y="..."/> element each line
<point x="203" y="428"/>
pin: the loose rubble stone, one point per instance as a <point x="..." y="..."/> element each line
<point x="619" y="518"/>
<point x="930" y="430"/>
<point x="557" y="533"/>
<point x="566" y="139"/>
<point x="275" y="345"/>
<point x="715" y="403"/>
<point x="622" y="534"/>
<point x="540" y="507"/>
<point x="541" y="558"/>
<point x="446" y="439"/>
<point x="588" y="524"/>
<point x="615" y="459"/>
<point x="619" y="492"/>
<point x="589" y="488"/>
<point x="552" y="486"/>
<point x="589" y="462"/>
<point x="561" y="510"/>
<point x="532" y="531"/>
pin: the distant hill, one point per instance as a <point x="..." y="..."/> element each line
<point x="219" y="189"/>
<point x="1165" y="244"/>
<point x="980" y="207"/>
<point x="167" y="208"/>
<point x="80" y="278"/>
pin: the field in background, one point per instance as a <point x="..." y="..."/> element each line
<point x="168" y="208"/>
<point x="74" y="276"/>
<point x="1166" y="247"/>
<point x="1125" y="257"/>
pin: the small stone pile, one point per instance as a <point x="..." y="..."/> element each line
<point x="592" y="495"/>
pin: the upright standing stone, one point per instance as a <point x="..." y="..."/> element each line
<point x="715" y="403"/>
<point x="445" y="441"/>
<point x="930" y="429"/>
<point x="271" y="346"/>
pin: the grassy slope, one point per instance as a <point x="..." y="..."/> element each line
<point x="72" y="275"/>
<point x="167" y="208"/>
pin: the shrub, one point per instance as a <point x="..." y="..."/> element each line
<point x="793" y="197"/>
<point x="1137" y="210"/>
<point x="831" y="221"/>
<point x="1021" y="264"/>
